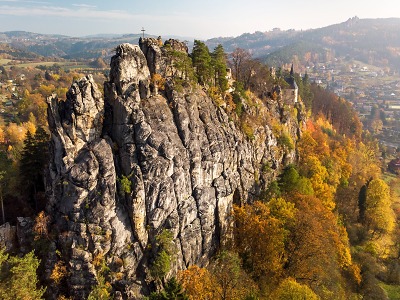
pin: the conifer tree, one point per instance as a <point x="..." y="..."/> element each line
<point x="18" y="279"/>
<point x="173" y="291"/>
<point x="219" y="64"/>
<point x="202" y="62"/>
<point x="33" y="160"/>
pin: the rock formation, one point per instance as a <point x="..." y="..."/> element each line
<point x="126" y="167"/>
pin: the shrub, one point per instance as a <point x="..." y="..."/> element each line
<point x="125" y="184"/>
<point x="161" y="265"/>
<point x="165" y="250"/>
<point x="286" y="141"/>
<point x="158" y="81"/>
<point x="248" y="130"/>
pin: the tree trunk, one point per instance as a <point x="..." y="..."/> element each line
<point x="2" y="207"/>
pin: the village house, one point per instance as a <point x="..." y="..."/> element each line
<point x="394" y="166"/>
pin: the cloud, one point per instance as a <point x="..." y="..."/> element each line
<point x="56" y="11"/>
<point x="84" y="5"/>
<point x="25" y="1"/>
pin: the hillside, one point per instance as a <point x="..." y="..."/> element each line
<point x="167" y="178"/>
<point x="59" y="46"/>
<point x="376" y="41"/>
<point x="9" y="52"/>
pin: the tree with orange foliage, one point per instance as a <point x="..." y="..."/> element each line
<point x="35" y="104"/>
<point x="197" y="283"/>
<point x="224" y="279"/>
<point x="2" y="135"/>
<point x="259" y="239"/>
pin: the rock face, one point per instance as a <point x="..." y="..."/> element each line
<point x="128" y="166"/>
<point x="7" y="237"/>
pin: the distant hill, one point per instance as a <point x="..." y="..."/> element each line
<point x="88" y="47"/>
<point x="374" y="41"/>
<point x="8" y="52"/>
<point x="66" y="47"/>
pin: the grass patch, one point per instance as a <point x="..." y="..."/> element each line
<point x="393" y="181"/>
<point x="4" y="61"/>
<point x="65" y="65"/>
<point x="393" y="291"/>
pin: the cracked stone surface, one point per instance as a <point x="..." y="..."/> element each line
<point x="186" y="162"/>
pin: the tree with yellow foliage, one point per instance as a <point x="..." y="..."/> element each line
<point x="290" y="289"/>
<point x="313" y="169"/>
<point x="15" y="134"/>
<point x="259" y="239"/>
<point x="318" y="250"/>
<point x="379" y="215"/>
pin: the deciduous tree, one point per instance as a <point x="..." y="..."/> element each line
<point x="289" y="289"/>
<point x="239" y="58"/>
<point x="379" y="215"/>
<point x="259" y="239"/>
<point x="197" y="283"/>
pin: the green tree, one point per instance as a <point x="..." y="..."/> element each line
<point x="218" y="62"/>
<point x="179" y="65"/>
<point x="173" y="291"/>
<point x="18" y="279"/>
<point x="305" y="90"/>
<point x="163" y="259"/>
<point x="201" y="59"/>
<point x="34" y="158"/>
<point x="292" y="182"/>
<point x="101" y="291"/>
<point x="228" y="279"/>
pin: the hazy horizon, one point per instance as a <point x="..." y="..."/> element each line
<point x="178" y="18"/>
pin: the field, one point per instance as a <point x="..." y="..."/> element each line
<point x="65" y="65"/>
<point x="4" y="61"/>
<point x="393" y="291"/>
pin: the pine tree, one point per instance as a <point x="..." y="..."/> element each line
<point x="18" y="279"/>
<point x="219" y="64"/>
<point x="34" y="158"/>
<point x="202" y="62"/>
<point x="173" y="291"/>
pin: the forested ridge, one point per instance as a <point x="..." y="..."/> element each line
<point x="326" y="228"/>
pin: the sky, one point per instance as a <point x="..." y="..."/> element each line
<point x="185" y="18"/>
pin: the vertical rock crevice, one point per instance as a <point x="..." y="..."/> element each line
<point x="140" y="160"/>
